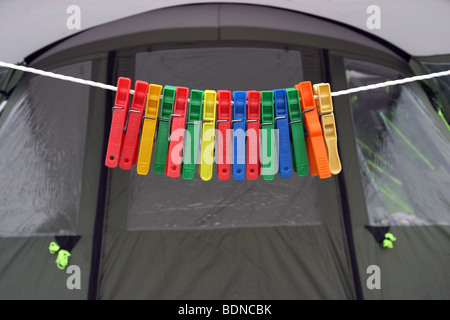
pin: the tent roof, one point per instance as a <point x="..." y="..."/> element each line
<point x="31" y="26"/>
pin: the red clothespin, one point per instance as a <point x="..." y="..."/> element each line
<point x="315" y="144"/>
<point x="120" y="112"/>
<point x="176" y="137"/>
<point x="253" y="120"/>
<point x="224" y="138"/>
<point x="131" y="142"/>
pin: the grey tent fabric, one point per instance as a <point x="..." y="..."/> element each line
<point x="230" y="239"/>
<point x="151" y="237"/>
<point x="403" y="151"/>
<point x="159" y="203"/>
<point x="41" y="156"/>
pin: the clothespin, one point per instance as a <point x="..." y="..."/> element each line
<point x="326" y="115"/>
<point x="239" y="127"/>
<point x="224" y="130"/>
<point x="284" y="139"/>
<point x="208" y="133"/>
<point x="119" y="117"/>
<point x="178" y="117"/>
<point x="149" y="128"/>
<point x="136" y="112"/>
<point x="162" y="143"/>
<point x="267" y="135"/>
<point x="315" y="144"/>
<point x="252" y="164"/>
<point x="300" y="157"/>
<point x="193" y="135"/>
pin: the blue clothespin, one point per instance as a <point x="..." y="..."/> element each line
<point x="238" y="124"/>
<point x="282" y="124"/>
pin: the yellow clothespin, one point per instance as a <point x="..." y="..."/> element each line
<point x="325" y="107"/>
<point x="208" y="133"/>
<point x="148" y="128"/>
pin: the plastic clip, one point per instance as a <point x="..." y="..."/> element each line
<point x="268" y="160"/>
<point x="253" y="121"/>
<point x="119" y="117"/>
<point x="300" y="157"/>
<point x="315" y="144"/>
<point x="148" y="129"/>
<point x="239" y="127"/>
<point x="162" y="143"/>
<point x="224" y="130"/>
<point x="326" y="115"/>
<point x="192" y="138"/>
<point x="208" y="133"/>
<point x="136" y="112"/>
<point x="284" y="140"/>
<point x="174" y="156"/>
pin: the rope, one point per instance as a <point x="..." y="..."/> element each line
<point x="333" y="94"/>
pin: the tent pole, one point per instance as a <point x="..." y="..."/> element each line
<point x="344" y="198"/>
<point x="97" y="241"/>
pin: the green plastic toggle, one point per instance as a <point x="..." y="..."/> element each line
<point x="192" y="140"/>
<point x="53" y="247"/>
<point x="162" y="144"/>
<point x="62" y="259"/>
<point x="267" y="135"/>
<point x="390" y="236"/>
<point x="300" y="157"/>
<point x="388" y="242"/>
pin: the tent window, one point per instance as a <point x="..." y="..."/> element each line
<point x="42" y="135"/>
<point x="443" y="84"/>
<point x="403" y="150"/>
<point x="159" y="202"/>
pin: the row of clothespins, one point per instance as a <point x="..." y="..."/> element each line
<point x="245" y="133"/>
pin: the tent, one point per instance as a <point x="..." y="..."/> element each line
<point x="153" y="237"/>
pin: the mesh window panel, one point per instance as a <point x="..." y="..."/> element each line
<point x="42" y="140"/>
<point x="159" y="202"/>
<point x="403" y="149"/>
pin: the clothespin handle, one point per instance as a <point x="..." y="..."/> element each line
<point x="149" y="129"/>
<point x="284" y="140"/>
<point x="162" y="143"/>
<point x="317" y="153"/>
<point x="208" y="135"/>
<point x="224" y="131"/>
<point x="192" y="138"/>
<point x="326" y="114"/>
<point x="300" y="157"/>
<point x="253" y="123"/>
<point x="239" y="127"/>
<point x="119" y="117"/>
<point x="268" y="162"/>
<point x="174" y="156"/>
<point x="131" y="141"/>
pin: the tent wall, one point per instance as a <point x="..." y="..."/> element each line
<point x="267" y="260"/>
<point x="27" y="269"/>
<point x="417" y="266"/>
<point x="323" y="258"/>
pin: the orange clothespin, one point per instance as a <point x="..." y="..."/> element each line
<point x="326" y="115"/>
<point x="315" y="144"/>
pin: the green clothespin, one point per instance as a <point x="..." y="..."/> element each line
<point x="267" y="135"/>
<point x="300" y="158"/>
<point x="162" y="144"/>
<point x="193" y="127"/>
<point x="388" y="241"/>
